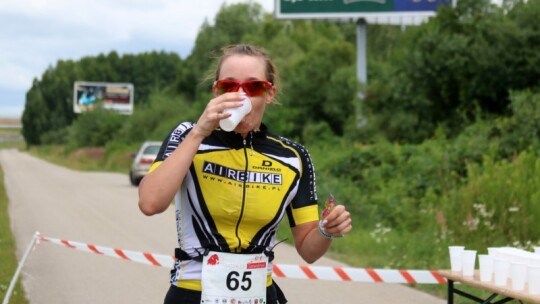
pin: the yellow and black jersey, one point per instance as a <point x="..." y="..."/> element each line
<point x="237" y="191"/>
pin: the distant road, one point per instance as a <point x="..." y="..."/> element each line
<point x="101" y="209"/>
<point x="10" y="138"/>
<point x="9" y="123"/>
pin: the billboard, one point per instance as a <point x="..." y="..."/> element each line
<point x="112" y="96"/>
<point x="336" y="9"/>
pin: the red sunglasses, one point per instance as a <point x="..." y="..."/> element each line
<point x="252" y="88"/>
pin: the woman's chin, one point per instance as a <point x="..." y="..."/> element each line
<point x="243" y="127"/>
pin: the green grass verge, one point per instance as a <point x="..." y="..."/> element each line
<point x="8" y="259"/>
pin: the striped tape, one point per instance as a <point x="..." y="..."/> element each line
<point x="344" y="274"/>
<point x="160" y="260"/>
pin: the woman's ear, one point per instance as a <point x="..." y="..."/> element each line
<point x="214" y="90"/>
<point x="271" y="95"/>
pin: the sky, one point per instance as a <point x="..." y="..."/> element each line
<point x="35" y="34"/>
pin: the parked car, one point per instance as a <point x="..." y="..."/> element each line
<point x="142" y="161"/>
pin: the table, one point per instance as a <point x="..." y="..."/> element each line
<point x="505" y="293"/>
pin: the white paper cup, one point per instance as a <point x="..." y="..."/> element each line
<point x="501" y="269"/>
<point x="518" y="275"/>
<point x="533" y="280"/>
<point x="492" y="251"/>
<point x="468" y="261"/>
<point x="237" y="114"/>
<point x="537" y="250"/>
<point x="455" y="257"/>
<point x="485" y="264"/>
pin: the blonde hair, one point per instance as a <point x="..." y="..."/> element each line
<point x="249" y="50"/>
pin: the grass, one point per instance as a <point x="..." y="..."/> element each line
<point x="8" y="259"/>
<point x="87" y="159"/>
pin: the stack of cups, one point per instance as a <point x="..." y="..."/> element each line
<point x="533" y="276"/>
<point x="468" y="261"/>
<point x="485" y="264"/>
<point x="533" y="279"/>
<point x="518" y="274"/>
<point x="501" y="269"/>
<point x="456" y="257"/>
<point x="462" y="260"/>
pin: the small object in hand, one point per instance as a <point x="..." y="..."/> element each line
<point x="328" y="206"/>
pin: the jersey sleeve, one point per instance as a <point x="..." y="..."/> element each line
<point x="303" y="207"/>
<point x="171" y="142"/>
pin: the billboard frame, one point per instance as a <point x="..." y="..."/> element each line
<point x="103" y="94"/>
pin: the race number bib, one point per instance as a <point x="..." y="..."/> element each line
<point x="234" y="278"/>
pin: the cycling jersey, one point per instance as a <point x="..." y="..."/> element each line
<point x="236" y="192"/>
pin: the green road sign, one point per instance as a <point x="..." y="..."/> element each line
<point x="314" y="9"/>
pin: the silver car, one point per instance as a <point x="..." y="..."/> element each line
<point x="143" y="161"/>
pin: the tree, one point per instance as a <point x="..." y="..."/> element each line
<point x="49" y="103"/>
<point x="459" y="66"/>
<point x="34" y="119"/>
<point x="232" y="23"/>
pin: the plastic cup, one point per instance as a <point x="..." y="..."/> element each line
<point x="492" y="251"/>
<point x="237" y="114"/>
<point x="518" y="275"/>
<point x="455" y="257"/>
<point x="501" y="269"/>
<point x="533" y="280"/>
<point x="468" y="261"/>
<point x="485" y="263"/>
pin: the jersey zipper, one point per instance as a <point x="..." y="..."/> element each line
<point x="243" y="198"/>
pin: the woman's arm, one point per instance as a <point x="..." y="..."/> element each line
<point x="157" y="188"/>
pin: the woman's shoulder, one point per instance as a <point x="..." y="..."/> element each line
<point x="290" y="144"/>
<point x="183" y="127"/>
<point x="178" y="133"/>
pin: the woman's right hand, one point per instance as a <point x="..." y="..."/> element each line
<point x="214" y="112"/>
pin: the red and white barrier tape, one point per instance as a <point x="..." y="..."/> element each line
<point x="328" y="273"/>
<point x="160" y="260"/>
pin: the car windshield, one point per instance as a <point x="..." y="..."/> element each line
<point x="151" y="150"/>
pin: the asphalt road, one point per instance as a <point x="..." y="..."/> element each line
<point x="101" y="209"/>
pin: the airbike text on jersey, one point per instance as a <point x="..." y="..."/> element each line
<point x="241" y="175"/>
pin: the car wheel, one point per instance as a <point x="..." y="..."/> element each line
<point x="133" y="180"/>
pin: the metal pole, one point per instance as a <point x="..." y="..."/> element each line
<point x="21" y="264"/>
<point x="361" y="61"/>
<point x="361" y="58"/>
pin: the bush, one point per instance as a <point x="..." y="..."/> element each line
<point x="95" y="128"/>
<point x="155" y="120"/>
<point x="498" y="206"/>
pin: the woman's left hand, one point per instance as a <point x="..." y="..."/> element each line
<point x="338" y="222"/>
